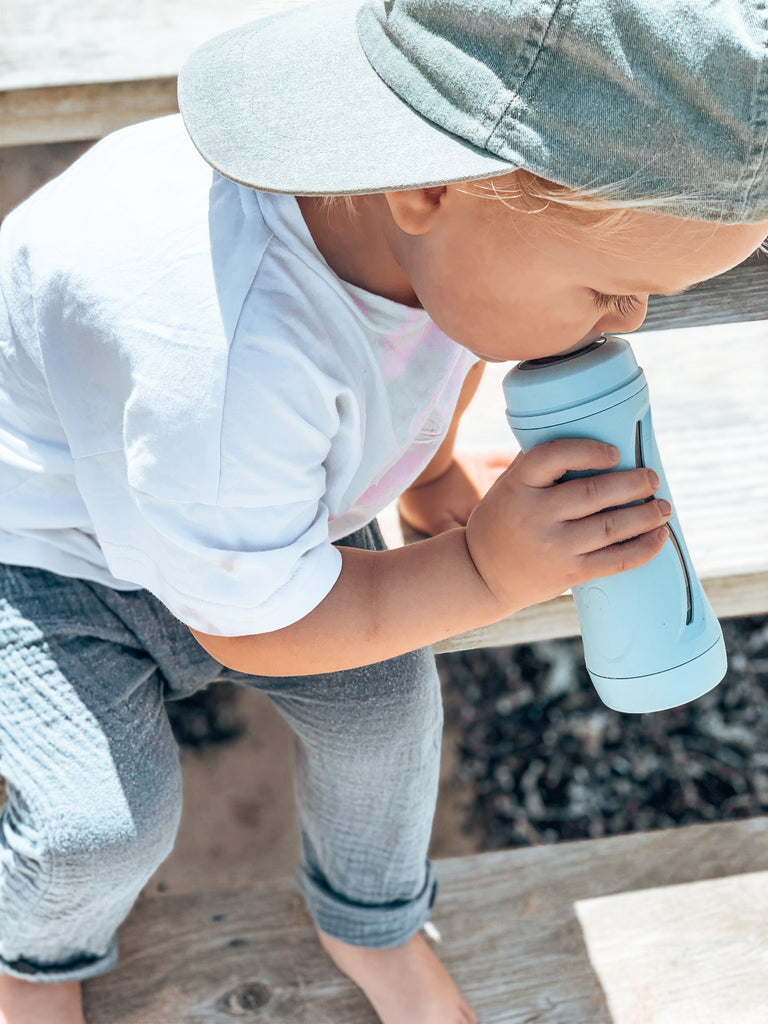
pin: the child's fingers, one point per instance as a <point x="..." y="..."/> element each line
<point x="619" y="557"/>
<point x="618" y="525"/>
<point x="589" y="494"/>
<point x="544" y="465"/>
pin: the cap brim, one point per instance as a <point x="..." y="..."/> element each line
<point x="290" y="104"/>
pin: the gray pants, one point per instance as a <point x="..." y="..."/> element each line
<point x="94" y="786"/>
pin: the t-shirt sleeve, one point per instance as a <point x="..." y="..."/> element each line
<point x="232" y="536"/>
<point x="234" y="571"/>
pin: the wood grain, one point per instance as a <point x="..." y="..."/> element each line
<point x="78" y="69"/>
<point x="683" y="954"/>
<point x="730" y="596"/>
<point x="65" y="113"/>
<point x="511" y="937"/>
<point x="80" y="42"/>
<point x="737" y="296"/>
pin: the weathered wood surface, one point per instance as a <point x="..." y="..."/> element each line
<point x="510" y="928"/>
<point x="735" y="297"/>
<point x="73" y="69"/>
<point x="730" y="597"/>
<point x="694" y="952"/>
<point x="64" y="113"/>
<point x="73" y="42"/>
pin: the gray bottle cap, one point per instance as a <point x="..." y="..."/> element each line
<point x="538" y="387"/>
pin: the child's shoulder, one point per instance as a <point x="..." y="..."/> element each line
<point x="124" y="230"/>
<point x="139" y="181"/>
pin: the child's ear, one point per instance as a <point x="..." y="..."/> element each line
<point x="414" y="209"/>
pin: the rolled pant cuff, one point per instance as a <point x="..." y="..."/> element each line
<point x="79" y="969"/>
<point x="375" y="927"/>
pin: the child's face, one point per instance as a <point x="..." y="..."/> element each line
<point x="509" y="285"/>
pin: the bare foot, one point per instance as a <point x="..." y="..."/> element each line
<point x="27" y="1002"/>
<point x="405" y="985"/>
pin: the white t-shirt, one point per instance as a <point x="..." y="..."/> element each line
<point x="191" y="401"/>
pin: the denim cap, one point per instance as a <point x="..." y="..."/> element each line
<point x="660" y="102"/>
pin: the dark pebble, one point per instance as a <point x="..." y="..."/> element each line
<point x="548" y="762"/>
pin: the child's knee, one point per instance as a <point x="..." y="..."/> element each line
<point x="398" y="703"/>
<point x="105" y="840"/>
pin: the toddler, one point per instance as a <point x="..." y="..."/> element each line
<point x="212" y="381"/>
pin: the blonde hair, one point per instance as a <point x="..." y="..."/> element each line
<point x="526" y="192"/>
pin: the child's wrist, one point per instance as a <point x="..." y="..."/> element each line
<point x="501" y="603"/>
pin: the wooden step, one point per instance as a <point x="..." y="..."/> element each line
<point x="79" y="70"/>
<point x="653" y="928"/>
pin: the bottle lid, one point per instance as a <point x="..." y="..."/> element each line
<point x="541" y="386"/>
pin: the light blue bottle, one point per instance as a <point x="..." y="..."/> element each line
<point x="651" y="639"/>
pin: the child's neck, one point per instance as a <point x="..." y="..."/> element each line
<point x="356" y="245"/>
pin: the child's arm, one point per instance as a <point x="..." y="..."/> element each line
<point x="529" y="539"/>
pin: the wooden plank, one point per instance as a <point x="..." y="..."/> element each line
<point x="78" y="69"/>
<point x="683" y="953"/>
<point x="738" y="296"/>
<point x="511" y="936"/>
<point x="80" y="42"/>
<point x="67" y="113"/>
<point x="730" y="596"/>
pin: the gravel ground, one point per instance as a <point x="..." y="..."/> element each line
<point x="549" y="762"/>
<point x="543" y="760"/>
<point x="208" y="718"/>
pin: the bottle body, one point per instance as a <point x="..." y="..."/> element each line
<point x="651" y="639"/>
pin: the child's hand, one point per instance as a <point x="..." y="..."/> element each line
<point x="532" y="537"/>
<point x="448" y="501"/>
